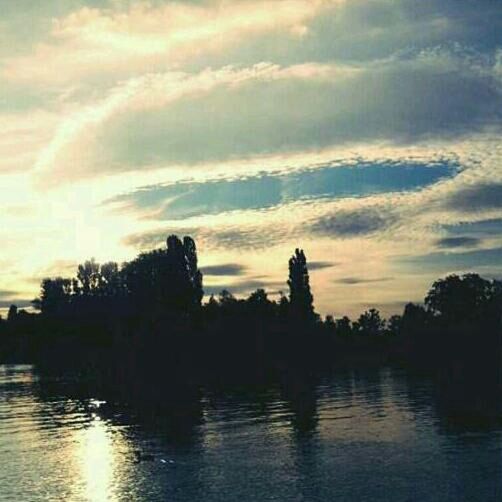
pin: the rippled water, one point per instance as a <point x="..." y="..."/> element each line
<point x="357" y="435"/>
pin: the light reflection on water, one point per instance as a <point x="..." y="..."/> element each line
<point x="97" y="458"/>
<point x="357" y="435"/>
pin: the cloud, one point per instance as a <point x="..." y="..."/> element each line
<point x="320" y="265"/>
<point x="58" y="268"/>
<point x="352" y="281"/>
<point x="20" y="303"/>
<point x="8" y="298"/>
<point x="187" y="199"/>
<point x="104" y="137"/>
<point x="458" y="242"/>
<point x="476" y="198"/>
<point x="6" y="293"/>
<point x="184" y="200"/>
<point x="442" y="262"/>
<point x="22" y="138"/>
<point x="224" y="269"/>
<point x="187" y="119"/>
<point x="353" y="223"/>
<point x="246" y="286"/>
<point x="221" y="237"/>
<point x="478" y="228"/>
<point x="144" y="37"/>
<point x="245" y="239"/>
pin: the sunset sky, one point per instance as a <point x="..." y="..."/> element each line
<point x="367" y="132"/>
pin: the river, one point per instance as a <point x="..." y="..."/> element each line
<point x="356" y="435"/>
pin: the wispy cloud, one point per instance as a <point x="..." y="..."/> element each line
<point x="224" y="269"/>
<point x="320" y="265"/>
<point x="91" y="41"/>
<point x="353" y="281"/>
<point x="442" y="262"/>
<point x="458" y="242"/>
<point x="476" y="197"/>
<point x="246" y="287"/>
<point x="346" y="223"/>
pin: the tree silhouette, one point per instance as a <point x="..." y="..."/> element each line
<point x="370" y="323"/>
<point x="259" y="305"/>
<point x="394" y="325"/>
<point x="461" y="298"/>
<point x="300" y="296"/>
<point x="165" y="280"/>
<point x="225" y="298"/>
<point x="110" y="280"/>
<point x="55" y="296"/>
<point x="88" y="278"/>
<point x="110" y="310"/>
<point x="415" y="318"/>
<point x="343" y="326"/>
<point x="12" y="314"/>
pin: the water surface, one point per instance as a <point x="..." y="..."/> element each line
<point x="375" y="435"/>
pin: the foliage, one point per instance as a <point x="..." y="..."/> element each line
<point x="464" y="298"/>
<point x="300" y="297"/>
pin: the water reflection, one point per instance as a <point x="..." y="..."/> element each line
<point x="96" y="454"/>
<point x="366" y="434"/>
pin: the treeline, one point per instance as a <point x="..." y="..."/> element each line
<point x="149" y="313"/>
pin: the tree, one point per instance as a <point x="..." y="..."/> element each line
<point x="55" y="296"/>
<point x="259" y="305"/>
<point x="343" y="326"/>
<point x="370" y="323"/>
<point x="329" y="321"/>
<point x="225" y="298"/>
<point x="12" y="314"/>
<point x="194" y="275"/>
<point x="110" y="280"/>
<point x="283" y="306"/>
<point x="300" y="296"/>
<point x="183" y="273"/>
<point x="460" y="298"/>
<point x="88" y="278"/>
<point x="415" y="318"/>
<point x="166" y="280"/>
<point x="258" y="297"/>
<point x="394" y="325"/>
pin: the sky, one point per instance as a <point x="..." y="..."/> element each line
<point x="367" y="132"/>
